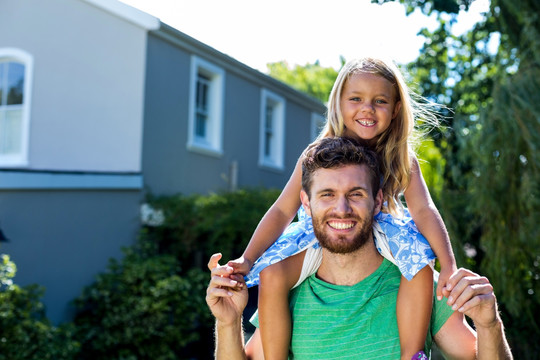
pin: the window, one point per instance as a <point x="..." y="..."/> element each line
<point x="206" y="108"/>
<point x="317" y="124"/>
<point x="15" y="81"/>
<point x="272" y="130"/>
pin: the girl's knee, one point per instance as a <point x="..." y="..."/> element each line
<point x="273" y="275"/>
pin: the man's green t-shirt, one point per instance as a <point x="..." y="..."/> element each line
<point x="352" y="322"/>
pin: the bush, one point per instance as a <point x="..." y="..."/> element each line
<point x="151" y="304"/>
<point x="197" y="226"/>
<point x="25" y="331"/>
<point x="142" y="308"/>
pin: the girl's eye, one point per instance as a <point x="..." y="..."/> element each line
<point x="355" y="99"/>
<point x="380" y="101"/>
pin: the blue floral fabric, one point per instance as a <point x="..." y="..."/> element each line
<point x="410" y="249"/>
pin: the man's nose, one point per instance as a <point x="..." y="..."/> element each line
<point x="342" y="206"/>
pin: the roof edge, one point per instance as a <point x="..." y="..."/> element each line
<point x="128" y="13"/>
<point x="196" y="47"/>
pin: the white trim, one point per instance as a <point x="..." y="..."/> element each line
<point x="129" y="13"/>
<point x="212" y="144"/>
<point x="21" y="160"/>
<point x="317" y="123"/>
<point x="13" y="180"/>
<point x="275" y="160"/>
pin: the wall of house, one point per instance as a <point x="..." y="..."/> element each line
<point x="76" y="204"/>
<point x="88" y="84"/>
<point x="62" y="239"/>
<point x="169" y="166"/>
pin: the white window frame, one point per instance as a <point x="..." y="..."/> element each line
<point x="21" y="56"/>
<point x="317" y="123"/>
<point x="212" y="143"/>
<point x="274" y="160"/>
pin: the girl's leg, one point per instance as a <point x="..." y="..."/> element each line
<point x="274" y="314"/>
<point x="414" y="305"/>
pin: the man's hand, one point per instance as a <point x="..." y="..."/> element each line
<point x="226" y="294"/>
<point x="472" y="295"/>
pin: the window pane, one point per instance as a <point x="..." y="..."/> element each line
<point x="3" y="67"/>
<point x="15" y="83"/>
<point x="10" y="132"/>
<point x="268" y="130"/>
<point x="202" y="93"/>
<point x="268" y="144"/>
<point x="269" y="117"/>
<point x="200" y="125"/>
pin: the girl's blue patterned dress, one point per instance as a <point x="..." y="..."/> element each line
<point x="409" y="248"/>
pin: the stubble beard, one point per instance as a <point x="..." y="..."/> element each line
<point x="341" y="244"/>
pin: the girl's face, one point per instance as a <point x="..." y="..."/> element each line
<point x="368" y="105"/>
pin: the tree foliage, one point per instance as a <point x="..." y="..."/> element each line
<point x="491" y="195"/>
<point x="312" y="79"/>
<point x="430" y="6"/>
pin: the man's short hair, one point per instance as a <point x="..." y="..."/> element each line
<point x="336" y="152"/>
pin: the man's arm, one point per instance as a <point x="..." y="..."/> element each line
<point x="227" y="297"/>
<point x="472" y="295"/>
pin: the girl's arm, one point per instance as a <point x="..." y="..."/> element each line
<point x="429" y="223"/>
<point x="274" y="222"/>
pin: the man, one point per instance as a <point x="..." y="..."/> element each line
<point x="347" y="309"/>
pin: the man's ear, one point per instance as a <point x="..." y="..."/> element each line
<point x="305" y="201"/>
<point x="378" y="202"/>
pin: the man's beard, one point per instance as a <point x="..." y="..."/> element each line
<point x="341" y="244"/>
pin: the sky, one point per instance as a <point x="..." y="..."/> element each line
<point x="258" y="32"/>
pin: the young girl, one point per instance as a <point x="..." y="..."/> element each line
<point x="370" y="102"/>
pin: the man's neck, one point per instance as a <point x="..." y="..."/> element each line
<point x="349" y="269"/>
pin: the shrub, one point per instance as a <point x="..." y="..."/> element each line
<point x="197" y="226"/>
<point x="25" y="331"/>
<point x="141" y="308"/>
<point x="151" y="304"/>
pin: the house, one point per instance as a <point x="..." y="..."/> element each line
<point x="101" y="103"/>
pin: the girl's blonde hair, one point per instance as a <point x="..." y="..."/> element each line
<point x="394" y="146"/>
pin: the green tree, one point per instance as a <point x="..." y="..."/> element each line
<point x="491" y="193"/>
<point x="312" y="79"/>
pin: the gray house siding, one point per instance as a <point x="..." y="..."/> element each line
<point x="62" y="239"/>
<point x="88" y="84"/>
<point x="76" y="202"/>
<point x="169" y="166"/>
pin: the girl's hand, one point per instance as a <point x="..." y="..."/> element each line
<point x="241" y="265"/>
<point x="443" y="285"/>
<point x="472" y="294"/>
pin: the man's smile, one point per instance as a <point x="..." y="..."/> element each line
<point x="341" y="225"/>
